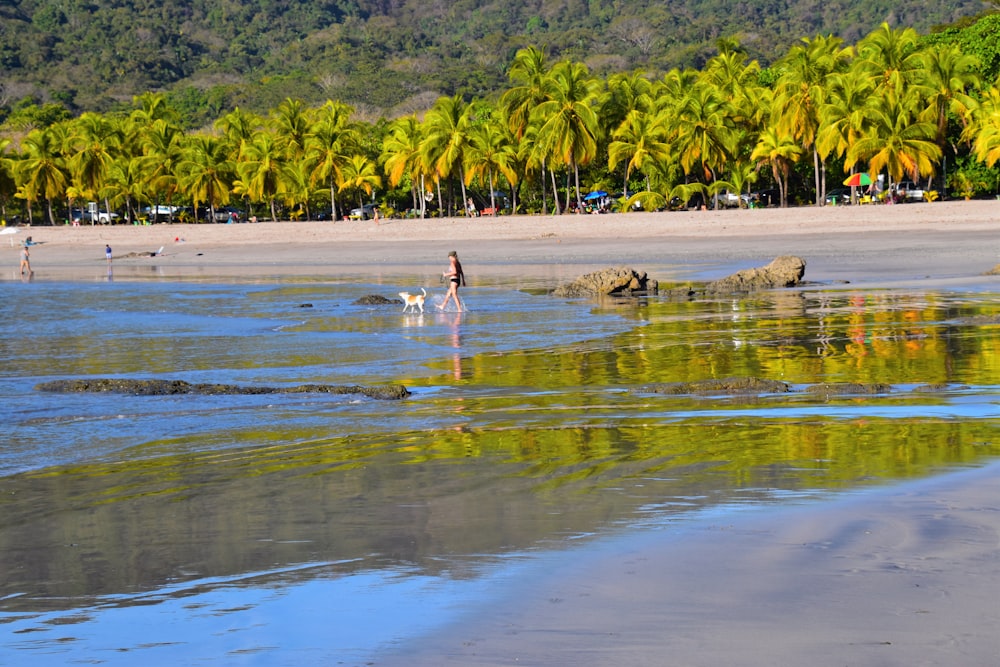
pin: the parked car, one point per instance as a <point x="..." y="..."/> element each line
<point x="909" y="190"/>
<point x="224" y="214"/>
<point x="729" y="200"/>
<point x="838" y="196"/>
<point x="102" y="217"/>
<point x="365" y="212"/>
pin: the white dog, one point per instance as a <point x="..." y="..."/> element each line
<point x="414" y="301"/>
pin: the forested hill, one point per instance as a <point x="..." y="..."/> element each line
<point x="386" y="57"/>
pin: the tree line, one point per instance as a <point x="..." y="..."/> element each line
<point x="892" y="104"/>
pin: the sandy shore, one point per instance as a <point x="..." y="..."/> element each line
<point x="907" y="576"/>
<point x="903" y="576"/>
<point x="943" y="241"/>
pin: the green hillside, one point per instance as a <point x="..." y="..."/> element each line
<point x="386" y="57"/>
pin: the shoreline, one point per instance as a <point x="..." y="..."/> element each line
<point x="941" y="240"/>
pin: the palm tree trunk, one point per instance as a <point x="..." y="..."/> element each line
<point x="819" y="200"/>
<point x="545" y="204"/>
<point x="333" y="200"/>
<point x="576" y="183"/>
<point x="461" y="180"/>
<point x="437" y="182"/>
<point x="555" y="194"/>
<point x="493" y="200"/>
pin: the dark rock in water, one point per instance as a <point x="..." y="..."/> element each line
<point x="784" y="271"/>
<point x="733" y="385"/>
<point x="376" y="300"/>
<point x="305" y="305"/>
<point x="849" y="388"/>
<point x="938" y="387"/>
<point x="171" y="387"/>
<point x="620" y="281"/>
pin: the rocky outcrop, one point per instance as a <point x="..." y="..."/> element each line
<point x="376" y="300"/>
<point x="620" y="281"/>
<point x="171" y="387"/>
<point x="725" y="386"/>
<point x="849" y="388"/>
<point x="783" y="271"/>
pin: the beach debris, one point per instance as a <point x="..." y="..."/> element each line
<point x="783" y="271"/>
<point x="172" y="387"/>
<point x="724" y="386"/>
<point x="621" y="281"/>
<point x="376" y="300"/>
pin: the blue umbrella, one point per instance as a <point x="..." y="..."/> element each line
<point x="597" y="194"/>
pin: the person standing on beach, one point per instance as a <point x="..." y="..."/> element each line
<point x="456" y="277"/>
<point x="107" y="252"/>
<point x="25" y="260"/>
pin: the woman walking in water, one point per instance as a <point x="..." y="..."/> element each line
<point x="455" y="277"/>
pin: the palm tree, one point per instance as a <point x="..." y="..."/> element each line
<point x="569" y="127"/>
<point x="206" y="171"/>
<point x="896" y="140"/>
<point x="8" y="186"/>
<point x="780" y="151"/>
<point x="94" y="139"/>
<point x="639" y="141"/>
<point x="292" y="127"/>
<point x="261" y="170"/>
<point x="153" y="107"/>
<point x="800" y="94"/>
<point x="360" y="175"/>
<point x="330" y="140"/>
<point x="239" y="128"/>
<point x="401" y="155"/>
<point x="163" y="149"/>
<point x="125" y="184"/>
<point x="700" y="131"/>
<point x="948" y="76"/>
<point x="446" y="132"/>
<point x="530" y="70"/>
<point x="985" y="128"/>
<point x="490" y="150"/>
<point x="891" y="57"/>
<point x="627" y="92"/>
<point x="40" y="173"/>
<point x="843" y="115"/>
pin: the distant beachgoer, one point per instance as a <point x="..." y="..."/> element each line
<point x="25" y="260"/>
<point x="375" y="215"/>
<point x="107" y="252"/>
<point x="455" y="277"/>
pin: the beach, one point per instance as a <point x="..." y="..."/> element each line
<point x="941" y="240"/>
<point x="896" y="575"/>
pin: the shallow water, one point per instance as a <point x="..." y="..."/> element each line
<point x="316" y="529"/>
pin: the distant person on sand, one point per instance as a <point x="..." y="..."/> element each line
<point x="25" y="260"/>
<point x="107" y="252"/>
<point x="455" y="277"/>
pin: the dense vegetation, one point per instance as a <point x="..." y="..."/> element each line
<point x="894" y="104"/>
<point x="385" y="57"/>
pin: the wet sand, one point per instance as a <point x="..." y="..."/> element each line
<point x="908" y="575"/>
<point x="902" y="576"/>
